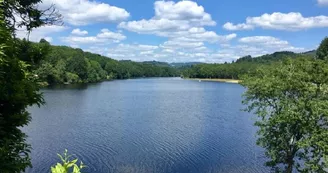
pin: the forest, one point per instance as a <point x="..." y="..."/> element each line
<point x="243" y="65"/>
<point x="66" y="65"/>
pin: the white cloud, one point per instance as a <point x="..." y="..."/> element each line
<point x="149" y="52"/>
<point x="266" y="40"/>
<point x="145" y="47"/>
<point x="174" y="19"/>
<point x="168" y="50"/>
<point x="84" y="12"/>
<point x="232" y="27"/>
<point x="105" y="36"/>
<point x="176" y="44"/>
<point x="176" y="50"/>
<point x="183" y="23"/>
<point x="77" y="31"/>
<point x="42" y="32"/>
<point x="135" y="52"/>
<point x="229" y="37"/>
<point x="198" y="34"/>
<point x="154" y="26"/>
<point x="182" y="10"/>
<point x="323" y="2"/>
<point x="281" y="21"/>
<point x="270" y="43"/>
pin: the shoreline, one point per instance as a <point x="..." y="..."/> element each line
<point x="46" y="84"/>
<point x="236" y="81"/>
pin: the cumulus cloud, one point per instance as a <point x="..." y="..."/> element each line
<point x="198" y="35"/>
<point x="281" y="21"/>
<point x="135" y="52"/>
<point x="183" y="10"/>
<point x="172" y="16"/>
<point x="41" y="32"/>
<point x="84" y="12"/>
<point x="184" y="19"/>
<point x="267" y="40"/>
<point x="323" y="2"/>
<point x="105" y="36"/>
<point x="183" y="23"/>
<point x="270" y="43"/>
<point x="154" y="26"/>
<point x="177" y="51"/>
<point x="232" y="27"/>
<point x="77" y="31"/>
<point x="176" y="44"/>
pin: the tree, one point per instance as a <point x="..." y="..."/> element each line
<point x="18" y="86"/>
<point x="322" y="52"/>
<point x="79" y="66"/>
<point x="24" y="14"/>
<point x="17" y="91"/>
<point x="291" y="102"/>
<point x="32" y="53"/>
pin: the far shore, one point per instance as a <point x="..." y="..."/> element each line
<point x="216" y="80"/>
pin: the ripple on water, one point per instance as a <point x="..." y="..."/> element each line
<point x="147" y="125"/>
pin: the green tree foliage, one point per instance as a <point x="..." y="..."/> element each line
<point x="322" y="52"/>
<point x="67" y="165"/>
<point x="18" y="85"/>
<point x="30" y="52"/>
<point x="242" y="66"/>
<point x="291" y="101"/>
<point x="67" y="65"/>
<point x="224" y="71"/>
<point x="78" y="65"/>
<point x="17" y="91"/>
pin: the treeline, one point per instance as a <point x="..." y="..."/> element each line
<point x="64" y="64"/>
<point x="242" y="66"/>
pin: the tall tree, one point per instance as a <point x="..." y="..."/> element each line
<point x="18" y="86"/>
<point x="291" y="101"/>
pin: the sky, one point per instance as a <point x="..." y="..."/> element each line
<point x="212" y="31"/>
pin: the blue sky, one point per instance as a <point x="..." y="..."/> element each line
<point x="214" y="31"/>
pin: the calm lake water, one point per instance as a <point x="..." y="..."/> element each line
<point x="159" y="125"/>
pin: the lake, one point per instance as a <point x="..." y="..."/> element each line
<point x="159" y="125"/>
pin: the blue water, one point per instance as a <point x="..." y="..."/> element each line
<point x="158" y="125"/>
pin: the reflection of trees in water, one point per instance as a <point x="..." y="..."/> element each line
<point x="70" y="86"/>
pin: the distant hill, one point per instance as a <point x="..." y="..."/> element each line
<point x="66" y="65"/>
<point x="243" y="65"/>
<point x="310" y="53"/>
<point x="277" y="56"/>
<point x="184" y="64"/>
<point x="174" y="64"/>
<point x="157" y="63"/>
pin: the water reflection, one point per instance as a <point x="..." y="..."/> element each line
<point x="146" y="125"/>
